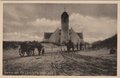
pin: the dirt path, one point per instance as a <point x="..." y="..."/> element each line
<point x="57" y="63"/>
<point x="87" y="65"/>
<point x="33" y="65"/>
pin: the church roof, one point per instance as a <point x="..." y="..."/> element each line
<point x="64" y="13"/>
<point x="47" y="35"/>
<point x="80" y="35"/>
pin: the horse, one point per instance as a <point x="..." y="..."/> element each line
<point x="40" y="48"/>
<point x="25" y="48"/>
<point x="29" y="47"/>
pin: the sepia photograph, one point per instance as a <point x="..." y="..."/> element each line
<point x="59" y="39"/>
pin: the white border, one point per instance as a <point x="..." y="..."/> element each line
<point x="58" y="2"/>
<point x="67" y="2"/>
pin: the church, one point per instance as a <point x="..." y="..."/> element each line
<point x="64" y="34"/>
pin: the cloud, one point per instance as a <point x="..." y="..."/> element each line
<point x="32" y="30"/>
<point x="45" y="22"/>
<point x="93" y="28"/>
<point x="30" y="21"/>
<point x="20" y="37"/>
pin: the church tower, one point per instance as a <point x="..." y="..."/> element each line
<point x="64" y="27"/>
<point x="64" y="34"/>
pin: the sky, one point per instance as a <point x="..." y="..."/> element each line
<point x="29" y="21"/>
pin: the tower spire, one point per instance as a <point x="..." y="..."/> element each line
<point x="64" y="9"/>
<point x="64" y="27"/>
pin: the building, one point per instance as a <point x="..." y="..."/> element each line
<point x="64" y="34"/>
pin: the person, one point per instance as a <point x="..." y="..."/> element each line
<point x="112" y="51"/>
<point x="77" y="46"/>
<point x="81" y="46"/>
<point x="43" y="50"/>
<point x="71" y="45"/>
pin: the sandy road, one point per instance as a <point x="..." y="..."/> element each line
<point x="87" y="65"/>
<point x="57" y="63"/>
<point x="34" y="65"/>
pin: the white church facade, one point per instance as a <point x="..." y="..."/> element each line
<point x="64" y="34"/>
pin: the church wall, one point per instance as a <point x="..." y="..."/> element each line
<point x="55" y="37"/>
<point x="74" y="37"/>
